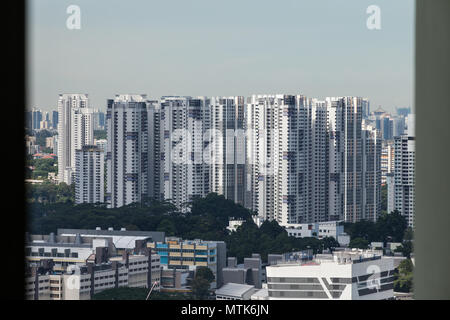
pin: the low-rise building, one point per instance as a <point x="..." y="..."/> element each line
<point x="64" y="250"/>
<point x="122" y="239"/>
<point x="261" y="294"/>
<point x="235" y="291"/>
<point x="234" y="224"/>
<point x="317" y="230"/>
<point x="176" y="280"/>
<point x="81" y="282"/>
<point x="250" y="273"/>
<point x="181" y="254"/>
<point x="343" y="275"/>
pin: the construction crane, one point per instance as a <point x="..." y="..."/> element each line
<point x="151" y="289"/>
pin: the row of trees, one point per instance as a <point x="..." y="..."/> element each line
<point x="388" y="228"/>
<point x="49" y="194"/>
<point x="51" y="207"/>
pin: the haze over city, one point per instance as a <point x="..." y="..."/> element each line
<point x="321" y="48"/>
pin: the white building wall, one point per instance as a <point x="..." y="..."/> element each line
<point x="89" y="181"/>
<point x="74" y="130"/>
<point x="185" y="122"/>
<point x="127" y="150"/>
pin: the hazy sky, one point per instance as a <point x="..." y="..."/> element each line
<point x="208" y="47"/>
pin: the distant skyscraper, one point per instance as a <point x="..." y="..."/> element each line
<point x="184" y="165"/>
<point x="101" y="120"/>
<point x="127" y="150"/>
<point x="403" y="111"/>
<point x="365" y="108"/>
<point x="404" y="179"/>
<point x="371" y="197"/>
<point x="228" y="148"/>
<point x="89" y="175"/>
<point x="74" y="131"/>
<point x="411" y="125"/>
<point x="55" y="120"/>
<point x="387" y="127"/>
<point x="387" y="159"/>
<point x="36" y="115"/>
<point x="399" y="126"/>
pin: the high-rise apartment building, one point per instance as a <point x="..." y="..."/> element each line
<point x="387" y="159"/>
<point x="227" y="142"/>
<point x="371" y="172"/>
<point x="390" y="182"/>
<point x="345" y="154"/>
<point x="184" y="122"/>
<point x="354" y="162"/>
<point x="127" y="150"/>
<point x="320" y="161"/>
<point x="155" y="160"/>
<point x="311" y="160"/>
<point x="404" y="177"/>
<point x="74" y="131"/>
<point x="89" y="173"/>
<point x="287" y="158"/>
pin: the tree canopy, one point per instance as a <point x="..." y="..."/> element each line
<point x="390" y="227"/>
<point x="51" y="208"/>
<point x="404" y="276"/>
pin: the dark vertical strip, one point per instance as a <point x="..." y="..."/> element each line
<point x="13" y="23"/>
<point x="36" y="285"/>
<point x="92" y="272"/>
<point x="116" y="274"/>
<point x="432" y="102"/>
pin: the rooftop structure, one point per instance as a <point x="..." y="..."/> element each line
<point x="122" y="239"/>
<point x="235" y="291"/>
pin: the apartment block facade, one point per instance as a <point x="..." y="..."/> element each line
<point x="227" y="147"/>
<point x="404" y="177"/>
<point x="75" y="129"/>
<point x="127" y="150"/>
<point x="184" y="122"/>
<point x="89" y="175"/>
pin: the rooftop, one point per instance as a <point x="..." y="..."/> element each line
<point x="121" y="238"/>
<point x="234" y="289"/>
<point x="348" y="256"/>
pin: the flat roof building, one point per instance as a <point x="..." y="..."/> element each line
<point x="235" y="291"/>
<point x="344" y="275"/>
<point x="188" y="254"/>
<point x="122" y="239"/>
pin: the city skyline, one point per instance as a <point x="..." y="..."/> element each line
<point x="259" y="48"/>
